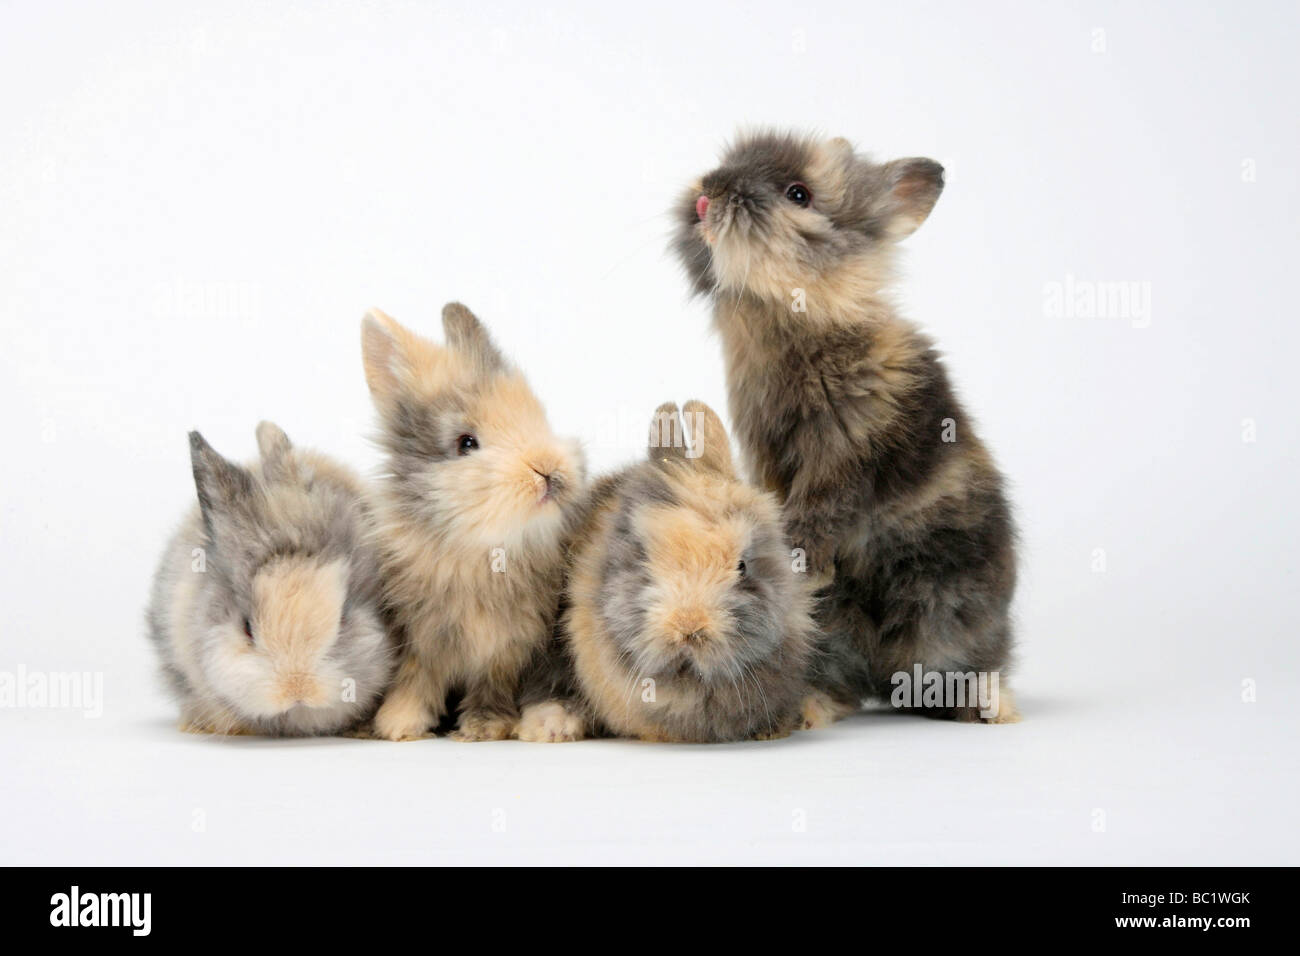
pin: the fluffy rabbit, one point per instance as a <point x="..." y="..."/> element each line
<point x="471" y="520"/>
<point x="266" y="604"/>
<point x="685" y="620"/>
<point x="846" y="412"/>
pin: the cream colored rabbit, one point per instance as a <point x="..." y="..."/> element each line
<point x="471" y="519"/>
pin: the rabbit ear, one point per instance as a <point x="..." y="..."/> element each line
<point x="385" y="345"/>
<point x="710" y="447"/>
<point x="908" y="190"/>
<point x="467" y="335"/>
<point x="668" y="440"/>
<point x="275" y="448"/>
<point x="222" y="485"/>
<point x="840" y="147"/>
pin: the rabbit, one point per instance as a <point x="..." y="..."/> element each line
<point x="846" y="412"/>
<point x="266" y="606"/>
<point x="470" y="519"/>
<point x="684" y="619"/>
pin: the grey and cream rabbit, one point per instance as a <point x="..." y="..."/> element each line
<point x="470" y="520"/>
<point x="266" y="606"/>
<point x="684" y="619"/>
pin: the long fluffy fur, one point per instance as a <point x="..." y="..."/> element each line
<point x="664" y="635"/>
<point x="277" y="546"/>
<point x="846" y="412"/>
<point x="471" y="551"/>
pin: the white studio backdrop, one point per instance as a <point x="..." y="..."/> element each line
<point x="198" y="201"/>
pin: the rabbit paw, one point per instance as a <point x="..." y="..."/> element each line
<point x="656" y="737"/>
<point x="819" y="710"/>
<point x="549" y="722"/>
<point x="476" y="725"/>
<point x="222" y="726"/>
<point x="1007" y="710"/>
<point x="362" y="731"/>
<point x="401" y="723"/>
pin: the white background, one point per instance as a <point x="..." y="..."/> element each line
<point x="198" y="201"/>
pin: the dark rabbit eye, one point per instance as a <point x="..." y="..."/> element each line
<point x="799" y="194"/>
<point x="466" y="444"/>
<point x="740" y="569"/>
<point x="248" y="630"/>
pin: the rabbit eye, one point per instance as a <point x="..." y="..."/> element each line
<point x="248" y="630"/>
<point x="799" y="194"/>
<point x="466" y="444"/>
<point x="740" y="569"/>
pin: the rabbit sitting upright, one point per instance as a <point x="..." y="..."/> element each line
<point x="470" y="519"/>
<point x="844" y="409"/>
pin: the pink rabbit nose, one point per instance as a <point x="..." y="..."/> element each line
<point x="702" y="206"/>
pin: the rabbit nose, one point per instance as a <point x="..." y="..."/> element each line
<point x="691" y="626"/>
<point x="702" y="207"/>
<point x="298" y="687"/>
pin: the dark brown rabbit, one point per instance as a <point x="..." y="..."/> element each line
<point x="846" y="412"/>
